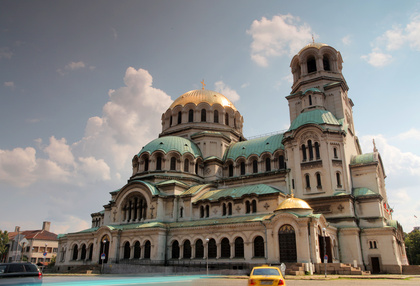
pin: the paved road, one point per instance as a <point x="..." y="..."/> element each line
<point x="197" y="281"/>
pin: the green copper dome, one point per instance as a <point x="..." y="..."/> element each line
<point x="316" y="116"/>
<point x="171" y="143"/>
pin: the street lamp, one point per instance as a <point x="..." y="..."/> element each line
<point x="103" y="255"/>
<point x="207" y="256"/>
<point x="325" y="252"/>
<point x="45" y="255"/>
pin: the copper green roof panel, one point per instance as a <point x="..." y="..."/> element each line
<point x="221" y="221"/>
<point x="172" y="143"/>
<point x="255" y="146"/>
<point x="238" y="192"/>
<point x="313" y="89"/>
<point x="151" y="187"/>
<point x="363" y="192"/>
<point x="316" y="116"/>
<point x="195" y="189"/>
<point x="363" y="159"/>
<point x="169" y="182"/>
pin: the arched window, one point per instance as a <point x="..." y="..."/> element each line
<point x="225" y="248"/>
<point x="248" y="207"/>
<point x="158" y="163"/>
<point x="311" y="150"/>
<point x="199" y="249"/>
<point x="326" y="62"/>
<point x="201" y="211"/>
<point x="207" y="211"/>
<point x="75" y="252"/>
<point x="216" y="116"/>
<point x="230" y="170"/>
<point x="191" y="115"/>
<point x="229" y="209"/>
<point x="175" y="249"/>
<point x="255" y="166"/>
<point x="267" y="164"/>
<point x="311" y="63"/>
<point x="203" y="115"/>
<point x="310" y="100"/>
<point x="242" y="168"/>
<point x="147" y="248"/>
<point x="137" y="250"/>
<point x="212" y="249"/>
<point x="90" y="252"/>
<point x="224" y="211"/>
<point x="196" y="168"/>
<point x="146" y="164"/>
<point x="181" y="212"/>
<point x="227" y="119"/>
<point x="317" y="154"/>
<point x="254" y="206"/>
<point x="173" y="163"/>
<point x="308" y="181"/>
<point x="303" y="153"/>
<point x="170" y="121"/>
<point x="337" y="175"/>
<point x="186" y="165"/>
<point x="282" y="164"/>
<point x="83" y="254"/>
<point x="179" y="117"/>
<point x="259" y="247"/>
<point x="335" y="153"/>
<point x="187" y="250"/>
<point x="127" y="250"/>
<point x="318" y="181"/>
<point x="239" y="247"/>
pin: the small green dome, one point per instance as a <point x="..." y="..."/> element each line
<point x="172" y="143"/>
<point x="316" y="116"/>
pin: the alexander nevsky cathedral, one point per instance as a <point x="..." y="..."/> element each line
<point x="202" y="192"/>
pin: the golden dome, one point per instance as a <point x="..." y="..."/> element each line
<point x="312" y="45"/>
<point x="203" y="95"/>
<point x="293" y="203"/>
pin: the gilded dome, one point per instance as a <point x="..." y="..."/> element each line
<point x="293" y="204"/>
<point x="312" y="45"/>
<point x="203" y="95"/>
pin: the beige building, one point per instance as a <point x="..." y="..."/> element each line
<point x="202" y="192"/>
<point x="36" y="246"/>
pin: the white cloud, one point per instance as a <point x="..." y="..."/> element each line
<point x="95" y="170"/>
<point x="114" y="33"/>
<point x="58" y="151"/>
<point x="377" y="59"/>
<point x="346" y="40"/>
<point x="5" y="53"/>
<point x="75" y="65"/>
<point x="231" y="94"/>
<point x="17" y="166"/>
<point x="282" y="35"/>
<point x="10" y="84"/>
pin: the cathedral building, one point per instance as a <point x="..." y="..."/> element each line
<point x="203" y="192"/>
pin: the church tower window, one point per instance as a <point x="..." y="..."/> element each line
<point x="255" y="166"/>
<point x="308" y="181"/>
<point x="337" y="175"/>
<point x="173" y="164"/>
<point x="267" y="164"/>
<point x="224" y="209"/>
<point x="311" y="150"/>
<point x="317" y="153"/>
<point x="335" y="153"/>
<point x="229" y="208"/>
<point x="146" y="164"/>
<point x="201" y="211"/>
<point x="227" y="119"/>
<point x="318" y="181"/>
<point x="203" y="115"/>
<point x="311" y="63"/>
<point x="186" y="165"/>
<point x="310" y="100"/>
<point x="207" y="211"/>
<point x="248" y="207"/>
<point x="216" y="116"/>
<point x="326" y="62"/>
<point x="242" y="168"/>
<point x="170" y="121"/>
<point x="158" y="163"/>
<point x="230" y="170"/>
<point x="282" y="164"/>
<point x="254" y="206"/>
<point x="303" y="153"/>
<point x="190" y="115"/>
<point x="179" y="117"/>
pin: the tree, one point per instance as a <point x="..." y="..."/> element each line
<point x="4" y="247"/>
<point x="412" y="244"/>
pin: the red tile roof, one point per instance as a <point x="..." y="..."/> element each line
<point x="35" y="235"/>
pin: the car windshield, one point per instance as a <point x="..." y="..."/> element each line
<point x="266" y="271"/>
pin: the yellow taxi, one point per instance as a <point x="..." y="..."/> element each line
<point x="266" y="275"/>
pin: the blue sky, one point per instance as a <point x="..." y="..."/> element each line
<point x="83" y="85"/>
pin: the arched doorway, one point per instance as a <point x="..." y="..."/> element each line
<point x="287" y="244"/>
<point x="104" y="249"/>
<point x="324" y="242"/>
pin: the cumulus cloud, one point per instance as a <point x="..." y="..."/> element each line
<point x="394" y="39"/>
<point x="231" y="94"/>
<point x="377" y="58"/>
<point x="72" y="66"/>
<point x="10" y="84"/>
<point x="346" y="40"/>
<point x="282" y="35"/>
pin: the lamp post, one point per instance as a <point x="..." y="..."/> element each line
<point x="103" y="255"/>
<point x="207" y="256"/>
<point x="325" y="252"/>
<point x="45" y="255"/>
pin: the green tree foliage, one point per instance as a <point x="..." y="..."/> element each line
<point x="412" y="244"/>
<point x="4" y="240"/>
